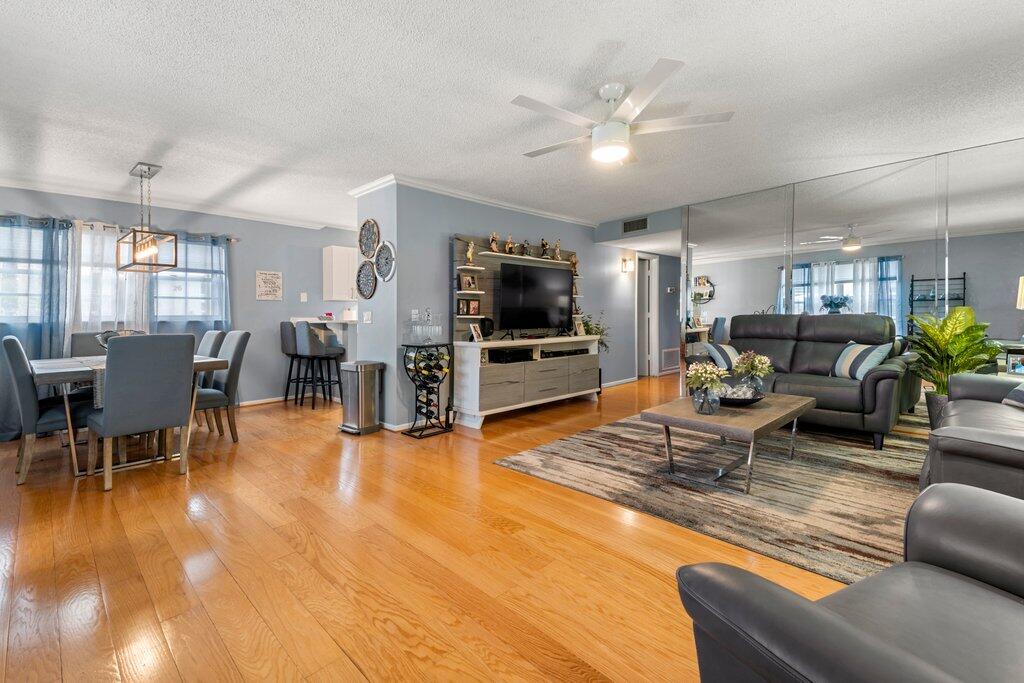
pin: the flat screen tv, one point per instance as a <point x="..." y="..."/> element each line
<point x="534" y="297"/>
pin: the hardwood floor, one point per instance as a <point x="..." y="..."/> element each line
<point x="304" y="553"/>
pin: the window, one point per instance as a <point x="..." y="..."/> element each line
<point x="197" y="290"/>
<point x="21" y="273"/>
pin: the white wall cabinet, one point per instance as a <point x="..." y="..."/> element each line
<point x="340" y="265"/>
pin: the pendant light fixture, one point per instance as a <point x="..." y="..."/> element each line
<point x="142" y="249"/>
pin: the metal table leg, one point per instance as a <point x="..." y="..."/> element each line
<point x="750" y="466"/>
<point x="792" y="440"/>
<point x="668" y="449"/>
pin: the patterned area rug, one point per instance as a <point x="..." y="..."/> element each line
<point x="837" y="509"/>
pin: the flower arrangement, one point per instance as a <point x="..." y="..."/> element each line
<point x="833" y="303"/>
<point x="750" y="363"/>
<point x="705" y="376"/>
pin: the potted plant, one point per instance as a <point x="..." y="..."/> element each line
<point x="598" y="327"/>
<point x="751" y="368"/>
<point x="956" y="343"/>
<point x="705" y="381"/>
<point x="834" y="303"/>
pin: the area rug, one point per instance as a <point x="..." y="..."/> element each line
<point x="836" y="509"/>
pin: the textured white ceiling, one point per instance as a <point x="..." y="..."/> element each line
<point x="274" y="109"/>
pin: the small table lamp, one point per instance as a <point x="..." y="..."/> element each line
<point x="1020" y="297"/>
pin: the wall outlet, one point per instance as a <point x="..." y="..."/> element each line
<point x="303" y="297"/>
<point x="367" y="317"/>
<point x="415" y="315"/>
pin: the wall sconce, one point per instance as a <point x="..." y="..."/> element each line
<point x="628" y="265"/>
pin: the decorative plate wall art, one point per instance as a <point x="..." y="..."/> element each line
<point x="385" y="261"/>
<point x="369" y="237"/>
<point x="366" y="280"/>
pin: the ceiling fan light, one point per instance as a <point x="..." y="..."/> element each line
<point x="610" y="142"/>
<point x="850" y="243"/>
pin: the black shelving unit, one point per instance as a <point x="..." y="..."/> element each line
<point x="428" y="366"/>
<point x="929" y="295"/>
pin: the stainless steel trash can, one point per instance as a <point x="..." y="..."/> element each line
<point x="360" y="392"/>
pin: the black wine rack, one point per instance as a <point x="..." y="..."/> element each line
<point x="428" y="366"/>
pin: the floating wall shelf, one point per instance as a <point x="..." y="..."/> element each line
<point x="470" y="268"/>
<point x="519" y="257"/>
<point x="470" y="291"/>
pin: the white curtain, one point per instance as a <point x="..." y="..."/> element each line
<point x="107" y="297"/>
<point x="823" y="282"/>
<point x="865" y="286"/>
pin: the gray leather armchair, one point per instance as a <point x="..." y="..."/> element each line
<point x="978" y="441"/>
<point x="953" y="610"/>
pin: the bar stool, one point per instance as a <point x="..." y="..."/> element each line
<point x="319" y="358"/>
<point x="289" y="349"/>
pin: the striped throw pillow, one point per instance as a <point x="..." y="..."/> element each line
<point x="1016" y="397"/>
<point x="723" y="355"/>
<point x="856" y="360"/>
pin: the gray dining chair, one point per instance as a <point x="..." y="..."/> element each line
<point x="223" y="392"/>
<point x="38" y="416"/>
<point x="197" y="328"/>
<point x="147" y="387"/>
<point x="319" y="359"/>
<point x="717" y="332"/>
<point x="86" y="344"/>
<point x="209" y="346"/>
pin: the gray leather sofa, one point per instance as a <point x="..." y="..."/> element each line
<point x="953" y="610"/>
<point x="979" y="441"/>
<point x="803" y="349"/>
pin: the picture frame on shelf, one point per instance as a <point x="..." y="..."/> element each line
<point x="474" y="331"/>
<point x="462" y="308"/>
<point x="578" y="327"/>
<point x="467" y="282"/>
<point x="474" y="307"/>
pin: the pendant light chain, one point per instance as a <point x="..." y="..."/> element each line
<point x="149" y="203"/>
<point x="140" y="202"/>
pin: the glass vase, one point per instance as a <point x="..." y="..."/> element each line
<point x="706" y="401"/>
<point x="754" y="382"/>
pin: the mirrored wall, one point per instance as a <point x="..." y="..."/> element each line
<point x="909" y="238"/>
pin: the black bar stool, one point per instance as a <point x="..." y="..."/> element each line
<point x="319" y="359"/>
<point x="288" y="348"/>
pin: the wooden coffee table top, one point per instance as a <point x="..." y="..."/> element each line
<point x="743" y="424"/>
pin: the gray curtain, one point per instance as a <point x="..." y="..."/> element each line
<point x="34" y="286"/>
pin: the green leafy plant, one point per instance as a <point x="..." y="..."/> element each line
<point x="598" y="327"/>
<point x="956" y="343"/>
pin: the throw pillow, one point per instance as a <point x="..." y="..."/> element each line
<point x="1016" y="397"/>
<point x="856" y="360"/>
<point x="723" y="355"/>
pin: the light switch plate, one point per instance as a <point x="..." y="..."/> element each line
<point x="415" y="315"/>
<point x="303" y="297"/>
<point x="367" y="317"/>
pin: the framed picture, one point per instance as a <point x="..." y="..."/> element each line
<point x="467" y="282"/>
<point x="269" y="286"/>
<point x="474" y="331"/>
<point x="474" y="307"/>
<point x="462" y="307"/>
<point x="578" y="327"/>
<point x="1015" y="361"/>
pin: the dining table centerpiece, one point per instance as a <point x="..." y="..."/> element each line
<point x="705" y="381"/>
<point x="752" y="368"/>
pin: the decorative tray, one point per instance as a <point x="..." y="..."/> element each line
<point x="740" y="402"/>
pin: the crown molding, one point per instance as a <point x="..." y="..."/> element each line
<point x="394" y="179"/>
<point x="194" y="207"/>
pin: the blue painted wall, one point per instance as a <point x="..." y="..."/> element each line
<point x="426" y="220"/>
<point x="296" y="252"/>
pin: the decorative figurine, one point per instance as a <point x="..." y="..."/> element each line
<point x="544" y="248"/>
<point x="510" y="246"/>
<point x="575" y="263"/>
<point x="524" y="248"/>
<point x="558" y="249"/>
<point x="469" y="253"/>
<point x="494" y="242"/>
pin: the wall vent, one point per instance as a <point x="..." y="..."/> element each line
<point x="669" y="358"/>
<point x="635" y="225"/>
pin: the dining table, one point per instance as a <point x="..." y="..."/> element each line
<point x="65" y="373"/>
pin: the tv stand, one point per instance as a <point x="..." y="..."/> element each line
<point x="484" y="388"/>
<point x="509" y="334"/>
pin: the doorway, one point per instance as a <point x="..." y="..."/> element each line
<point x="647" y="300"/>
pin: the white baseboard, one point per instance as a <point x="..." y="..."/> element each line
<point x="396" y="428"/>
<point x="670" y="371"/>
<point x="275" y="399"/>
<point x="605" y="385"/>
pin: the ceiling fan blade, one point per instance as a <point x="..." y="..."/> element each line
<point x="680" y="122"/>
<point x="649" y="86"/>
<point x="553" y="111"/>
<point x="557" y="145"/>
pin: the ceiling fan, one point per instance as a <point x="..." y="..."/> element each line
<point x="848" y="242"/>
<point x="609" y="139"/>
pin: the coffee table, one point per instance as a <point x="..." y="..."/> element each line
<point x="746" y="424"/>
